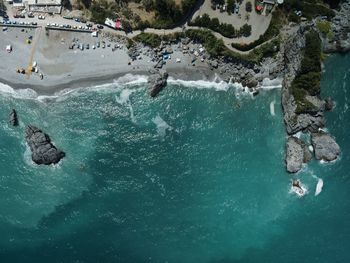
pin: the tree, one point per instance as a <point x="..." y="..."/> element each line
<point x="127" y="26"/>
<point x="230" y="6"/>
<point x="245" y="30"/>
<point x="66" y="4"/>
<point x="215" y="24"/>
<point x="248" y="7"/>
<point x="148" y="4"/>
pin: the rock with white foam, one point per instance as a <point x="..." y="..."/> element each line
<point x="325" y="146"/>
<point x="157" y="82"/>
<point x="43" y="151"/>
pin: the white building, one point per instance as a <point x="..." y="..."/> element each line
<point x="17" y="3"/>
<point x="45" y="6"/>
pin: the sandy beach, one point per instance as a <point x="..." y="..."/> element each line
<point x="72" y="68"/>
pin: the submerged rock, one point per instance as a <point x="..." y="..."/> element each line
<point x="13" y="119"/>
<point x="157" y="82"/>
<point x="43" y="151"/>
<point x="329" y="104"/>
<point x="294" y="154"/>
<point x="325" y="147"/>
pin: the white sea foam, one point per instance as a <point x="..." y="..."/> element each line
<point x="124" y="99"/>
<point x="27" y="156"/>
<point x="162" y="126"/>
<point x="297" y="135"/>
<point x="311" y="148"/>
<point x="6" y="90"/>
<point x="319" y="186"/>
<point x="272" y="108"/>
<point x="130" y="79"/>
<point x="200" y="84"/>
<point x="268" y="84"/>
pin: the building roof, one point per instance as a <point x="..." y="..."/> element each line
<point x="271" y="2"/>
<point x="44" y="2"/>
<point x="259" y="7"/>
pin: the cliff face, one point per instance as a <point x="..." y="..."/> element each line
<point x="308" y="122"/>
<point x="292" y="61"/>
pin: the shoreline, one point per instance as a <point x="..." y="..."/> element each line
<point x="82" y="82"/>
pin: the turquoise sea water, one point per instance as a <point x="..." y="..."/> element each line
<point x="196" y="175"/>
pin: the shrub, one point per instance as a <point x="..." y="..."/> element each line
<point x="149" y="39"/>
<point x="307" y="82"/>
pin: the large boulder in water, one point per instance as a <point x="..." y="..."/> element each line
<point x="43" y="151"/>
<point x="326" y="148"/>
<point x="157" y="82"/>
<point x="294" y="154"/>
<point x="13" y="119"/>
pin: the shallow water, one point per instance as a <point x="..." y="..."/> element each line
<point x="196" y="175"/>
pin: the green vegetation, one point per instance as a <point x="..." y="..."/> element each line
<point x="309" y="8"/>
<point x="100" y="10"/>
<point x="165" y="13"/>
<point x="325" y="28"/>
<point x="168" y="14"/>
<point x="307" y="82"/>
<point x="227" y="30"/>
<point x="273" y="30"/>
<point x="149" y="39"/>
<point x="216" y="47"/>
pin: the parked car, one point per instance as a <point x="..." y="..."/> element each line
<point x="237" y="9"/>
<point x="100" y="26"/>
<point x="30" y="15"/>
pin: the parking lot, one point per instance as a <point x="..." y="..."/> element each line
<point x="258" y="22"/>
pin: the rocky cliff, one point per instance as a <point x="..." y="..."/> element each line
<point x="308" y="122"/>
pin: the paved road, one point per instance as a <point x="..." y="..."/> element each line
<point x="60" y="20"/>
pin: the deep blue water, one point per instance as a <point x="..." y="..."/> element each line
<point x="196" y="175"/>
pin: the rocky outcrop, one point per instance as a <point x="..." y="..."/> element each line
<point x="325" y="147"/>
<point x="297" y="153"/>
<point x="292" y="51"/>
<point x="13" y="119"/>
<point x="157" y="82"/>
<point x="43" y="151"/>
<point x="294" y="154"/>
<point x="340" y="27"/>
